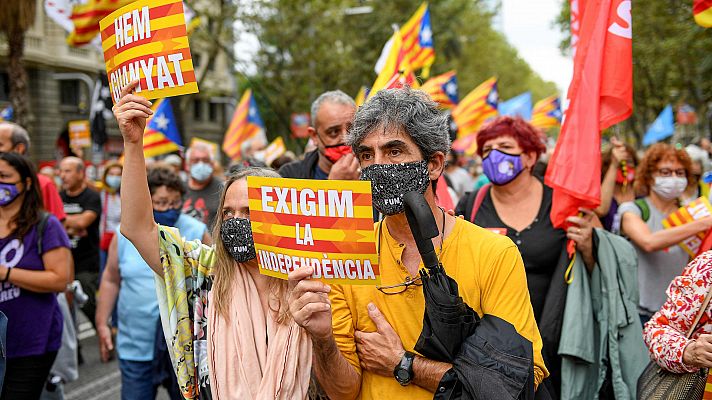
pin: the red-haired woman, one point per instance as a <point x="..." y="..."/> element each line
<point x="663" y="175"/>
<point x="517" y="204"/>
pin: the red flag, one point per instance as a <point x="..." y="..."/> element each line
<point x="443" y="197"/>
<point x="600" y="95"/>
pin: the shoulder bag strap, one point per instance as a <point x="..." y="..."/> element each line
<point x="479" y="198"/>
<point x="701" y="312"/>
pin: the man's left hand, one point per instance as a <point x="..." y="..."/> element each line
<point x="381" y="351"/>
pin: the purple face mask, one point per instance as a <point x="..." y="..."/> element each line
<point x="8" y="193"/>
<point x="501" y="168"/>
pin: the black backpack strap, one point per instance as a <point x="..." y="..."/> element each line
<point x="41" y="225"/>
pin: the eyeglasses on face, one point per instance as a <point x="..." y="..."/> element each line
<point x="401" y="287"/>
<point x="665" y="172"/>
<point x="164" y="205"/>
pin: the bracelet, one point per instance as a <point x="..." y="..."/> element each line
<point x="7" y="275"/>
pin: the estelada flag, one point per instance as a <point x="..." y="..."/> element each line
<point x="472" y="112"/>
<point x="161" y="135"/>
<point x="702" y="9"/>
<point x="417" y="35"/>
<point x="442" y="89"/>
<point x="600" y="95"/>
<point x="546" y="113"/>
<point x="246" y="124"/>
<point x="396" y="71"/>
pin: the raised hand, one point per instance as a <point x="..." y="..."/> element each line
<point x="347" y="168"/>
<point x="131" y="112"/>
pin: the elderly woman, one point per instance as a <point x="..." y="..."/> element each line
<point x="666" y="332"/>
<point x="663" y="174"/>
<point x="226" y="324"/>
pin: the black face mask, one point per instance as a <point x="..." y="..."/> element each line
<point x="236" y="235"/>
<point x="389" y="182"/>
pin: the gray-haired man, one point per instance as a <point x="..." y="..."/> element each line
<point x="364" y="336"/>
<point x="331" y="115"/>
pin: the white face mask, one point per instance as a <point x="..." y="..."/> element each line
<point x="669" y="187"/>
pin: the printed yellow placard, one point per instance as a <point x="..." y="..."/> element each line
<point x="79" y="133"/>
<point x="325" y="224"/>
<point x="694" y="211"/>
<point x="147" y="40"/>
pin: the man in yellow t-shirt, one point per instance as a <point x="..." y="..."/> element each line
<point x="362" y="334"/>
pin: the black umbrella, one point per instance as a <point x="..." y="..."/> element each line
<point x="447" y="320"/>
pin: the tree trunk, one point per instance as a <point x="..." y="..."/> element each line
<point x="19" y="96"/>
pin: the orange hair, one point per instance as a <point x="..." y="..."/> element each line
<point x="649" y="165"/>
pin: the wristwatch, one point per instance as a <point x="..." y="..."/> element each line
<point x="404" y="370"/>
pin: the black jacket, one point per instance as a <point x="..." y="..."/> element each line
<point x="301" y="169"/>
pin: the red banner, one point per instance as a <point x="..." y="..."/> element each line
<point x="600" y="95"/>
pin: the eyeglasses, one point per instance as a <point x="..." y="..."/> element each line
<point x="164" y="205"/>
<point x="401" y="287"/>
<point x="669" y="172"/>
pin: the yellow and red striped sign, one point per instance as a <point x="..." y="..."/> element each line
<point x="147" y="40"/>
<point x="696" y="210"/>
<point x="325" y="224"/>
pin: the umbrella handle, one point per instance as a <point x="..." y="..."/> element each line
<point x="422" y="226"/>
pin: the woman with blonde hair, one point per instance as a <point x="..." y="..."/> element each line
<point x="226" y="325"/>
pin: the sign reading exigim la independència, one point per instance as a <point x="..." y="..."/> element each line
<point x="327" y="225"/>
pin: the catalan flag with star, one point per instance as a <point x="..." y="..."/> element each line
<point x="246" y="124"/>
<point x="547" y="113"/>
<point x="442" y="89"/>
<point x="417" y="35"/>
<point x="396" y="71"/>
<point x="161" y="135"/>
<point x="479" y="106"/>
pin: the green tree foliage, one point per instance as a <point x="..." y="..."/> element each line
<point x="16" y="17"/>
<point x="314" y="46"/>
<point x="672" y="61"/>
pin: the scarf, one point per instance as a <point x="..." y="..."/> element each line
<point x="242" y="365"/>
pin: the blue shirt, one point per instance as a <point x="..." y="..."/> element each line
<point x="138" y="305"/>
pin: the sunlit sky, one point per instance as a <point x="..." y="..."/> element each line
<point x="528" y="25"/>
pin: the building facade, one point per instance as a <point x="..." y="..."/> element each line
<point x="62" y="78"/>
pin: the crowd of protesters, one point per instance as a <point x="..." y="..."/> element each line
<point x="153" y="252"/>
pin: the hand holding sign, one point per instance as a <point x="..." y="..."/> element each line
<point x="309" y="303"/>
<point x="131" y="112"/>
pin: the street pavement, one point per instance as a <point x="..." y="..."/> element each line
<point x="97" y="380"/>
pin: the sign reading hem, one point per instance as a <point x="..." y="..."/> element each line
<point x="325" y="224"/>
<point x="147" y="40"/>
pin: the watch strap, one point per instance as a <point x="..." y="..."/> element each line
<point x="404" y="370"/>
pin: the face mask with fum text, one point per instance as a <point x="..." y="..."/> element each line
<point x="390" y="182"/>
